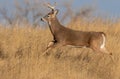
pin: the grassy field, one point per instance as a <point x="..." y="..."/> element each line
<point x="21" y="51"/>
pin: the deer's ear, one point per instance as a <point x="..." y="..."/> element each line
<point x="56" y="12"/>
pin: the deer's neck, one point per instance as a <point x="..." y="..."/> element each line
<point x="55" y="25"/>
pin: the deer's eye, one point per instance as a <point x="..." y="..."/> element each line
<point x="48" y="15"/>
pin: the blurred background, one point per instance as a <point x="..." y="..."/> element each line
<point x="30" y="11"/>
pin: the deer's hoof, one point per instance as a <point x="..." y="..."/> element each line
<point x="47" y="54"/>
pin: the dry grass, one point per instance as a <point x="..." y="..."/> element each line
<point x="21" y="49"/>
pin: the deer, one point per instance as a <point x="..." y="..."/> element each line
<point x="67" y="37"/>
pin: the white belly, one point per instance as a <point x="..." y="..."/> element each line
<point x="77" y="46"/>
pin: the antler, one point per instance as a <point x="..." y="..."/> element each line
<point x="50" y="6"/>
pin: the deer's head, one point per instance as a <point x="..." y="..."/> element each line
<point x="51" y="15"/>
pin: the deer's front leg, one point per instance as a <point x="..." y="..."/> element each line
<point x="49" y="47"/>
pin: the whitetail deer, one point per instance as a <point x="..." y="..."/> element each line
<point x="65" y="36"/>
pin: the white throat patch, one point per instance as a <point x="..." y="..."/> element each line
<point x="49" y="22"/>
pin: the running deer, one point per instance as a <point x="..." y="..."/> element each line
<point x="65" y="36"/>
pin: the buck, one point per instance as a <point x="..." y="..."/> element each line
<point x="65" y="36"/>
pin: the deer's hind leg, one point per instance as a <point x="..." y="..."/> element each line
<point x="104" y="50"/>
<point x="97" y="48"/>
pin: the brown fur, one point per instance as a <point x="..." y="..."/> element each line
<point x="65" y="36"/>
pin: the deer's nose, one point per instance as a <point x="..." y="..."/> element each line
<point x="42" y="19"/>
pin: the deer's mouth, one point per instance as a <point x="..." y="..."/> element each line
<point x="43" y="19"/>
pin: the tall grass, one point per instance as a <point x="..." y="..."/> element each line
<point x="21" y="49"/>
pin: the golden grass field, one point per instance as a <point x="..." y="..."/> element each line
<point x="21" y="51"/>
